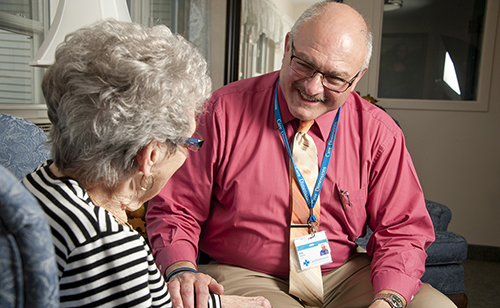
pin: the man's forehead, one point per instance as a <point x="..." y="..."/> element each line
<point x="341" y="56"/>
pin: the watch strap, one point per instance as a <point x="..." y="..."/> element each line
<point x="387" y="297"/>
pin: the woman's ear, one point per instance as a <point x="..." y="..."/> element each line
<point x="148" y="156"/>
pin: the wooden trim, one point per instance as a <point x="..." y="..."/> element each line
<point x="233" y="25"/>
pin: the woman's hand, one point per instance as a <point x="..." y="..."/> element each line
<point x="186" y="286"/>
<point x="232" y="301"/>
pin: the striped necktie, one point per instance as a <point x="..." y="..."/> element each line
<point x="306" y="285"/>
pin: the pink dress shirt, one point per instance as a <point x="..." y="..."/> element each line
<point x="233" y="195"/>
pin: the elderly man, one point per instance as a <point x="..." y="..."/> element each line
<point x="294" y="160"/>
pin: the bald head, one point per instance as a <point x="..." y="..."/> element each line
<point x="335" y="23"/>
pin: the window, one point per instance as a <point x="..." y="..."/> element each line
<point x="433" y="54"/>
<point x="21" y="28"/>
<point x="189" y="18"/>
<point x="15" y="76"/>
<point x="23" y="24"/>
<point x="262" y="35"/>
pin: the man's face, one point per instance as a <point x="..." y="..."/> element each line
<point x="335" y="54"/>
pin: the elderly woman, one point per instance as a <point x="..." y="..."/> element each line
<point x="122" y="99"/>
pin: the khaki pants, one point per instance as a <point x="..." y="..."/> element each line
<point x="348" y="286"/>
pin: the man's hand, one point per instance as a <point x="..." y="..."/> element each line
<point x="184" y="288"/>
<point x="380" y="304"/>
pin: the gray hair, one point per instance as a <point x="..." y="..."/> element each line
<point x="317" y="9"/>
<point x="115" y="87"/>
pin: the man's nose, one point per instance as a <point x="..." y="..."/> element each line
<point x="314" y="85"/>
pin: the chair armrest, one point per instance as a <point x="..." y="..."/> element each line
<point x="440" y="215"/>
<point x="448" y="248"/>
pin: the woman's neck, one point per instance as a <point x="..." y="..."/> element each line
<point x="115" y="199"/>
<point x="110" y="199"/>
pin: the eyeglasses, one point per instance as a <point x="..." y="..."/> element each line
<point x="194" y="143"/>
<point x="332" y="83"/>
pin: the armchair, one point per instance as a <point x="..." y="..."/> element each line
<point x="23" y="145"/>
<point x="28" y="273"/>
<point x="443" y="266"/>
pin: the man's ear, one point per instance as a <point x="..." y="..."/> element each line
<point x="357" y="79"/>
<point x="148" y="156"/>
<point x="362" y="73"/>
<point x="288" y="46"/>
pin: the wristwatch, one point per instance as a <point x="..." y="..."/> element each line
<point x="392" y="299"/>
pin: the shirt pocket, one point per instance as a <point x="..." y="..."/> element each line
<point x="352" y="204"/>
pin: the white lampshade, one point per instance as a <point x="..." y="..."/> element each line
<point x="72" y="15"/>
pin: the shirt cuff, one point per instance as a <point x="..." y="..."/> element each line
<point x="169" y="255"/>
<point x="403" y="284"/>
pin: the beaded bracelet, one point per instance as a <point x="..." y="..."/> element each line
<point x="178" y="271"/>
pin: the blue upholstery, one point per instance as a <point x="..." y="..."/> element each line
<point x="440" y="215"/>
<point x="23" y="145"/>
<point x="28" y="273"/>
<point x="443" y="266"/>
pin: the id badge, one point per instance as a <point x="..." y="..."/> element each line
<point x="312" y="250"/>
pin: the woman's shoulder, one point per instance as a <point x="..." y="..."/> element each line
<point x="73" y="218"/>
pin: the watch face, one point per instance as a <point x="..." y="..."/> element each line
<point x="396" y="301"/>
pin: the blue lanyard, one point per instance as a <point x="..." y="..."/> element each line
<point x="310" y="200"/>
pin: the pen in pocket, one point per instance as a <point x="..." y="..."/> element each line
<point x="345" y="198"/>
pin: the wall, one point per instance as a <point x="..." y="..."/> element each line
<point x="217" y="42"/>
<point x="457" y="157"/>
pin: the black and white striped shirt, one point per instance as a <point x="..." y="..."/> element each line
<point x="101" y="263"/>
